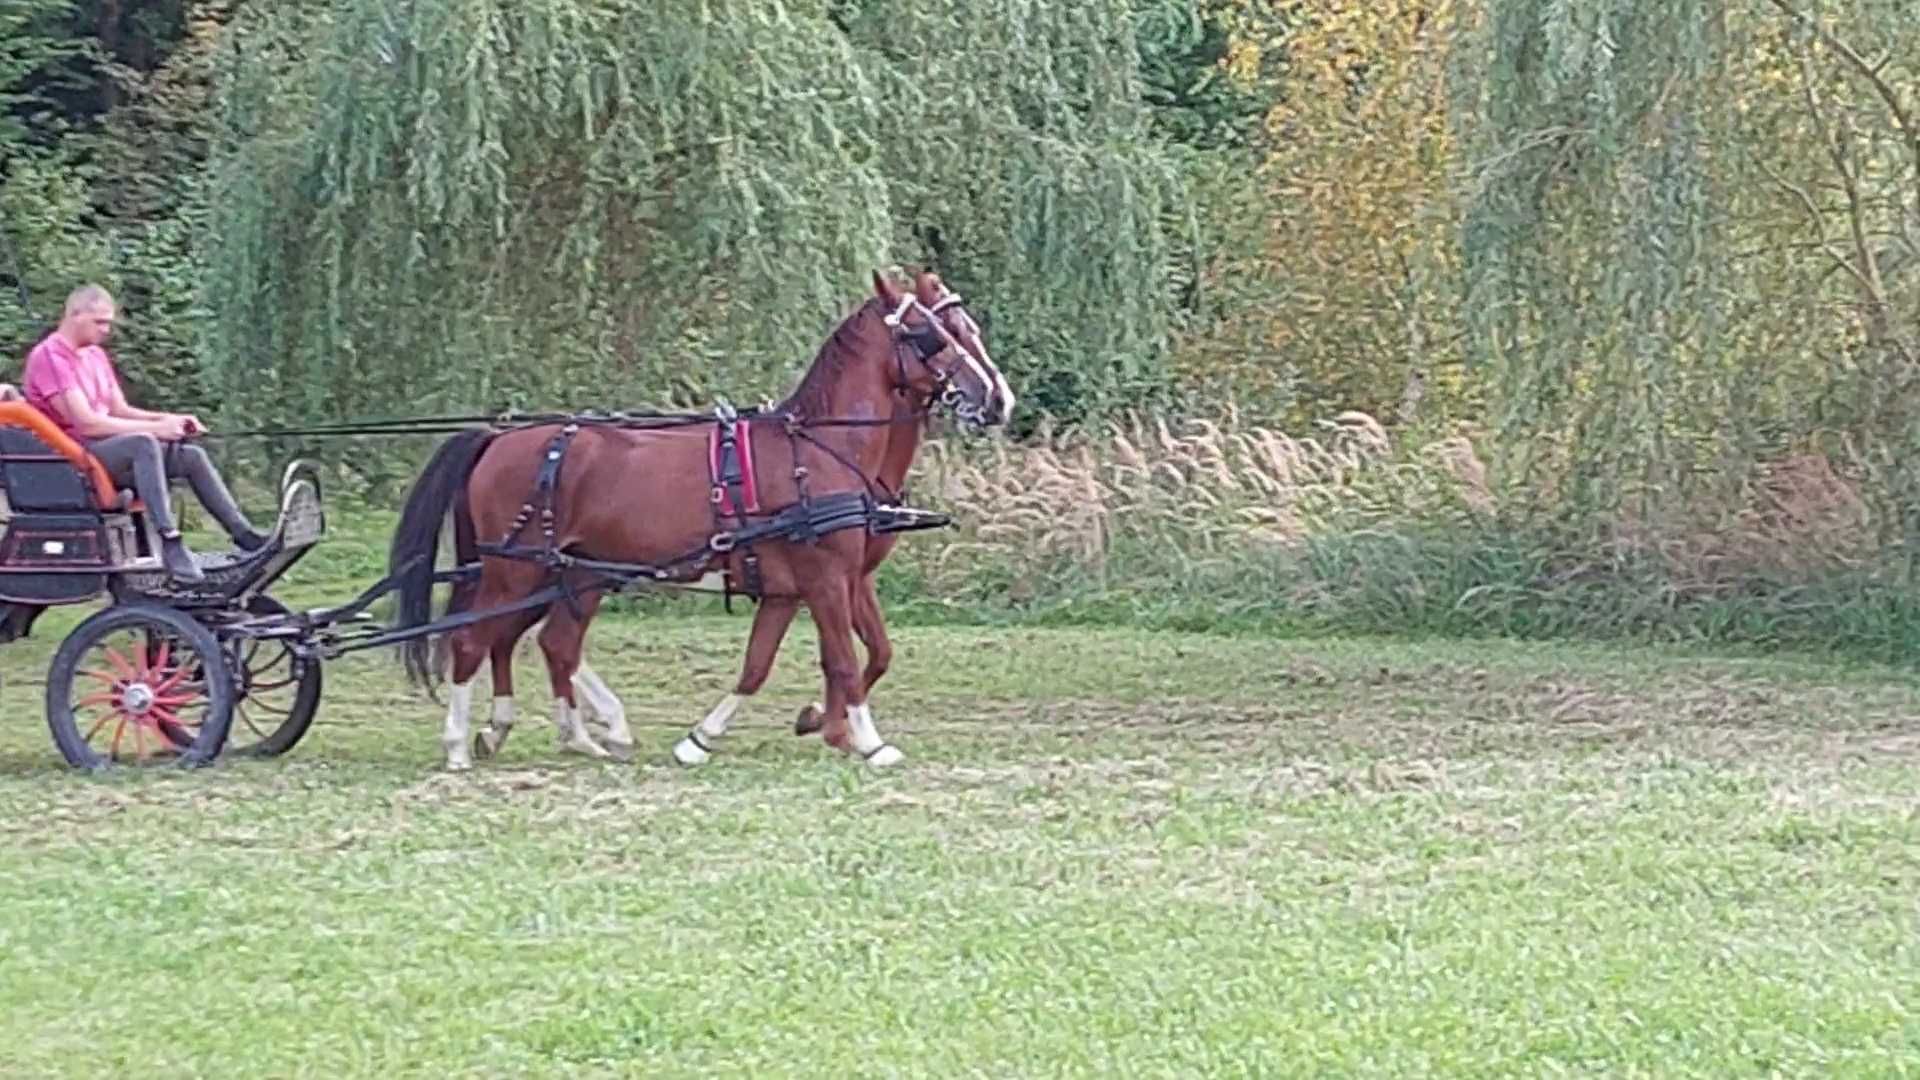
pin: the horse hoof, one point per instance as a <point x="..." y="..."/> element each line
<point x="688" y="754"/>
<point x="886" y="757"/>
<point x="482" y="748"/>
<point x="583" y="745"/>
<point x="621" y="752"/>
<point x="457" y="759"/>
<point x="811" y="719"/>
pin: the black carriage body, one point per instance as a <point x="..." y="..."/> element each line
<point x="57" y="546"/>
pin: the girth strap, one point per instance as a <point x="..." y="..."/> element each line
<point x="544" y="485"/>
<point x="735" y="492"/>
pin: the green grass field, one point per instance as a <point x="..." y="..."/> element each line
<point x="1108" y="853"/>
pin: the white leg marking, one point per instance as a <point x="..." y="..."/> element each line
<point x="453" y="738"/>
<point x="866" y="738"/>
<point x="488" y="743"/>
<point x="573" y="732"/>
<point x="696" y="746"/>
<point x="605" y="704"/>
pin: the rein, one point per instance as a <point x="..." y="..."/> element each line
<point x="640" y="420"/>
<point x="651" y="419"/>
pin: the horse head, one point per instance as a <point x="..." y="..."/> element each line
<point x="940" y="354"/>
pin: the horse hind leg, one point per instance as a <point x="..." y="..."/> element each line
<point x="606" y="705"/>
<point x="464" y="653"/>
<point x="561" y="640"/>
<point x="488" y="743"/>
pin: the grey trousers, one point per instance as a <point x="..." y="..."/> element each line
<point x="145" y="464"/>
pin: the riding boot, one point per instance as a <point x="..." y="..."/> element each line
<point x="248" y="538"/>
<point x="221" y="507"/>
<point x="179" y="561"/>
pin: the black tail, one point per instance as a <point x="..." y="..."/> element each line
<point x="416" y="540"/>
<point x="465" y="553"/>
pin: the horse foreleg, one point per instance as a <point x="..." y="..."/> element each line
<point x="871" y="628"/>
<point x="848" y="724"/>
<point x="770" y="622"/>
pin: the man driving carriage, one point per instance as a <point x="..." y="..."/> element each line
<point x="70" y="377"/>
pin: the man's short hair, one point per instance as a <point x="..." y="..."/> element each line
<point x="86" y="297"/>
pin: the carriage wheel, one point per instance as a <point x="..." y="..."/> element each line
<point x="139" y="684"/>
<point x="276" y="691"/>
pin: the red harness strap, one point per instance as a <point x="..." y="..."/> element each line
<point x="730" y="464"/>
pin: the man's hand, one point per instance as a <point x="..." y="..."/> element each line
<point x="173" y="428"/>
<point x="177" y="426"/>
<point x="8" y="392"/>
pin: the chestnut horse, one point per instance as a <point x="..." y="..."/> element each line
<point x="826" y="440"/>
<point x="775" y="614"/>
<point x="771" y="620"/>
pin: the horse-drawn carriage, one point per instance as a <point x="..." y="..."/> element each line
<point x="165" y="671"/>
<point x="174" y="672"/>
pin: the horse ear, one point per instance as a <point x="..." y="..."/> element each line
<point x="886" y="290"/>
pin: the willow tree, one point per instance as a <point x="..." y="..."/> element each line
<point x="1589" y="236"/>
<point x="1849" y="215"/>
<point x="612" y="202"/>
<point x="1684" y="239"/>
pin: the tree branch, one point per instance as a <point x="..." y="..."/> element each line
<point x="1816" y="220"/>
<point x="1895" y="101"/>
<point x="1866" y="270"/>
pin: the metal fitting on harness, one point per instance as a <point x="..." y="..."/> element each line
<point x="720" y="542"/>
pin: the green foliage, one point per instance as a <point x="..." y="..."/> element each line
<point x="91" y="198"/>
<point x="1682" y="253"/>
<point x="43" y="212"/>
<point x="150" y="195"/>
<point x="35" y="43"/>
<point x="636" y="202"/>
<point x="1593" y="122"/>
<point x="39" y="210"/>
<point x="1184" y="48"/>
<point x="1656" y="255"/>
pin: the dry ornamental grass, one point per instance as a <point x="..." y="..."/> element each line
<point x="1207" y="490"/>
<point x="1210" y="489"/>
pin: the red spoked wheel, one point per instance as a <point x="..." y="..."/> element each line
<point x="139" y="685"/>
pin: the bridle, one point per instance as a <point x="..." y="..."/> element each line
<point x="929" y="342"/>
<point x="924" y="344"/>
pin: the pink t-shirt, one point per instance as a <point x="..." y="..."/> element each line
<point x="55" y="366"/>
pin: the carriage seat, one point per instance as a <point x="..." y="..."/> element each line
<point x="44" y="468"/>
